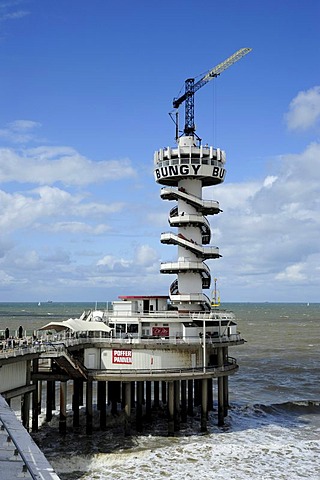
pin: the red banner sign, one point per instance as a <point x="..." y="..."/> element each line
<point x="160" y="331"/>
<point x="122" y="356"/>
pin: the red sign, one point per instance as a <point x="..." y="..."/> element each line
<point x="122" y="356"/>
<point x="160" y="331"/>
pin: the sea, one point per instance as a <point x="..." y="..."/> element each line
<point x="272" y="431"/>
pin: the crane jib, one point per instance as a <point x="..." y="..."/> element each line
<point x="191" y="88"/>
<point x="213" y="73"/>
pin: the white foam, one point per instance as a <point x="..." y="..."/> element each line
<point x="270" y="451"/>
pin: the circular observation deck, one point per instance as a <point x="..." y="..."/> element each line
<point x="189" y="161"/>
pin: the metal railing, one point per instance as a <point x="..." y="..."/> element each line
<point x="33" y="460"/>
<point x="61" y="342"/>
<point x="229" y="365"/>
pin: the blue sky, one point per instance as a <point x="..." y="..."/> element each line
<point x="86" y="88"/>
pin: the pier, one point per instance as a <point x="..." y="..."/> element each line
<point x="43" y="375"/>
<point x="149" y="355"/>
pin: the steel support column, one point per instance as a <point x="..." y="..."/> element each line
<point x="140" y="389"/>
<point x="183" y="401"/>
<point x="63" y="408"/>
<point x="102" y="399"/>
<point x="77" y="385"/>
<point x="190" y="398"/>
<point x="220" y="390"/>
<point x="204" y="405"/>
<point x="176" y="405"/>
<point x="89" y="410"/>
<point x="127" y="408"/>
<point x="171" y="408"/>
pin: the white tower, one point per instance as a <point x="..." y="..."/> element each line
<point x="185" y="170"/>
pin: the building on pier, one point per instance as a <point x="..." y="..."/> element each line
<point x="156" y="350"/>
<point x="148" y="351"/>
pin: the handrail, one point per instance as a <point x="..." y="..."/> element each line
<point x="177" y="192"/>
<point x="34" y="461"/>
<point x="62" y="350"/>
<point x="60" y="345"/>
<point x="231" y="364"/>
<point x="205" y="252"/>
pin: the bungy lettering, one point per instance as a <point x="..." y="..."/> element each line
<point x="182" y="170"/>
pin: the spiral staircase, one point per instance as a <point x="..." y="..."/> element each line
<point x="184" y="171"/>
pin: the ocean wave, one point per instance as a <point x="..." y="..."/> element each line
<point x="277" y="441"/>
<point x="267" y="453"/>
<point x="299" y="407"/>
<point x="294" y="412"/>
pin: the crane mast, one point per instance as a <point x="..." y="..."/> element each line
<point x="191" y="87"/>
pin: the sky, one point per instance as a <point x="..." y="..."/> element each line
<point x="86" y="87"/>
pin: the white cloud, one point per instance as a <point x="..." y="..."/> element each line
<point x="20" y="131"/>
<point x="19" y="125"/>
<point x="59" y="256"/>
<point x="46" y="204"/>
<point x="268" y="182"/>
<point x="63" y="202"/>
<point x="268" y="231"/>
<point x="6" y="279"/>
<point x="267" y="234"/>
<point x="292" y="273"/>
<point x="29" y="261"/>
<point x="78" y="227"/>
<point x="304" y="110"/>
<point x="110" y="262"/>
<point x="47" y="165"/>
<point x="143" y="257"/>
<point x="13" y="15"/>
<point x="231" y="197"/>
<point x="270" y="236"/>
<point x="146" y="256"/>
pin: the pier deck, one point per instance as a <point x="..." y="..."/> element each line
<point x="20" y="457"/>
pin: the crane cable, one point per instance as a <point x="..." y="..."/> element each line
<point x="214" y="113"/>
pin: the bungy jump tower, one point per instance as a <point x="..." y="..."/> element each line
<point x="152" y="354"/>
<point x="184" y="171"/>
